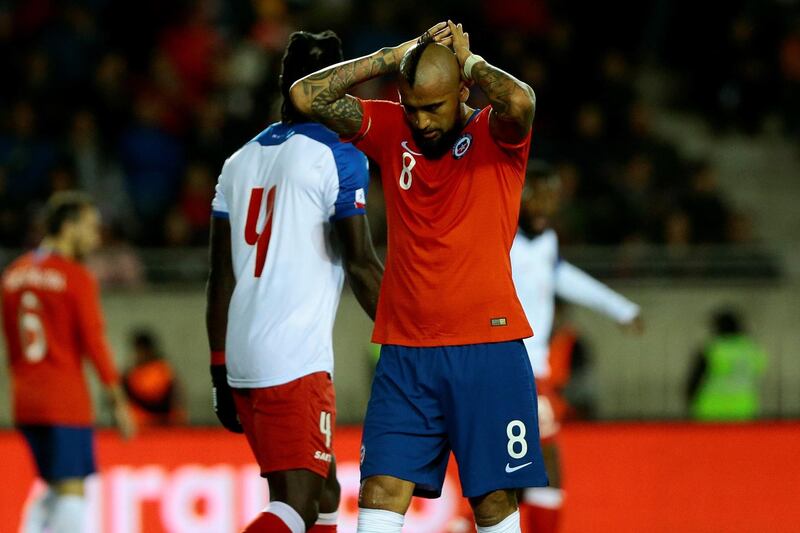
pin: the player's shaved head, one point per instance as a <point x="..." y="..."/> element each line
<point x="432" y="94"/>
<point x="430" y="65"/>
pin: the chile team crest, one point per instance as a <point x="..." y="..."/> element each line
<point x="462" y="145"/>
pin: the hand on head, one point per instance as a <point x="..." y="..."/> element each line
<point x="451" y="35"/>
<point x="459" y="41"/>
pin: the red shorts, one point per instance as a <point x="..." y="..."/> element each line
<point x="290" y="426"/>
<point x="552" y="409"/>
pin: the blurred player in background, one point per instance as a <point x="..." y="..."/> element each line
<point x="572" y="368"/>
<point x="51" y="319"/>
<point x="273" y="290"/>
<point x="150" y="385"/>
<point x="540" y="275"/>
<point x="453" y="372"/>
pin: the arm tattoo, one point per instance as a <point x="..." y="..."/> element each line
<point x="505" y="92"/>
<point x="327" y="90"/>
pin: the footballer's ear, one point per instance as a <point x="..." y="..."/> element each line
<point x="463" y="92"/>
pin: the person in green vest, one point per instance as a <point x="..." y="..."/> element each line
<point x="724" y="383"/>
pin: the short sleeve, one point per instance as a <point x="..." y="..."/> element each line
<point x="382" y="120"/>
<point x="519" y="152"/>
<point x="219" y="205"/>
<point x="352" y="175"/>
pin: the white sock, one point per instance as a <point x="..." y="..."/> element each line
<point x="327" y="519"/>
<point x="510" y="524"/>
<point x="68" y="514"/>
<point x="288" y="516"/>
<point x="546" y="497"/>
<point x="39" y="512"/>
<point x="379" y="521"/>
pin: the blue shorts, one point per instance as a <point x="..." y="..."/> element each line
<point x="61" y="452"/>
<point x="477" y="400"/>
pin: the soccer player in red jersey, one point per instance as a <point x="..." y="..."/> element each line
<point x="453" y="372"/>
<point x="51" y="319"/>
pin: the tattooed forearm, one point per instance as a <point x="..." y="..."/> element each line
<point x="511" y="99"/>
<point x="323" y="95"/>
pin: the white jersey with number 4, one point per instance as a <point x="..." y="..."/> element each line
<point x="540" y="275"/>
<point x="280" y="192"/>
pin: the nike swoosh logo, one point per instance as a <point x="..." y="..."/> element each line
<point x="404" y="144"/>
<point x="510" y="469"/>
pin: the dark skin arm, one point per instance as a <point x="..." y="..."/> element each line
<point x="364" y="269"/>
<point x="219" y="290"/>
<point x="221" y="282"/>
<point x="513" y="101"/>
<point x="323" y="96"/>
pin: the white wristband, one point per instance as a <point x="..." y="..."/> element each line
<point x="469" y="63"/>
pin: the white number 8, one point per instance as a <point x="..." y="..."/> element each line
<point x="405" y="176"/>
<point x="515" y="438"/>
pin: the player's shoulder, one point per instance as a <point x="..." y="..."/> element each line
<point x="44" y="269"/>
<point x="384" y="112"/>
<point x="79" y="274"/>
<point x="548" y="242"/>
<point x="478" y="121"/>
<point x="279" y="133"/>
<point x="312" y="132"/>
<point x="21" y="261"/>
<point x="382" y="106"/>
<point x="550" y="236"/>
<point x="543" y="242"/>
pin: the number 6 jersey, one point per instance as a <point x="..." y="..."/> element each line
<point x="51" y="318"/>
<point x="280" y="192"/>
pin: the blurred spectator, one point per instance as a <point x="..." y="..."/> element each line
<point x="195" y="201"/>
<point x="117" y="264"/>
<point x="151" y="386"/>
<point x="705" y="207"/>
<point x="97" y="172"/>
<point x="26" y="156"/>
<point x="177" y="230"/>
<point x="790" y="74"/>
<point x="724" y="381"/>
<point x="126" y="94"/>
<point x="152" y="160"/>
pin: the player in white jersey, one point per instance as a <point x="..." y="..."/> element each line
<point x="539" y="276"/>
<point x="274" y="286"/>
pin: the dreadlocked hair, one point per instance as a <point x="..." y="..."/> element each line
<point x="305" y="53"/>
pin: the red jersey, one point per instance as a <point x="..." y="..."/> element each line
<point x="451" y="223"/>
<point x="51" y="318"/>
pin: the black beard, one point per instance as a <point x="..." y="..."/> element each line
<point x="438" y="148"/>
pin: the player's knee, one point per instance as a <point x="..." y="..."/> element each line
<point x="331" y="494"/>
<point x="493" y="508"/>
<point x="387" y="493"/>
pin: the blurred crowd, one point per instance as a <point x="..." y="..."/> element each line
<point x="140" y="102"/>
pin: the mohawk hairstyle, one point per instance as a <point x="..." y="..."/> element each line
<point x="410" y="61"/>
<point x="305" y="53"/>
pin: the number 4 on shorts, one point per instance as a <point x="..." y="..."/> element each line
<point x="325" y="427"/>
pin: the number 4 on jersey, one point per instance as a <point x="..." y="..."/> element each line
<point x="251" y="235"/>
